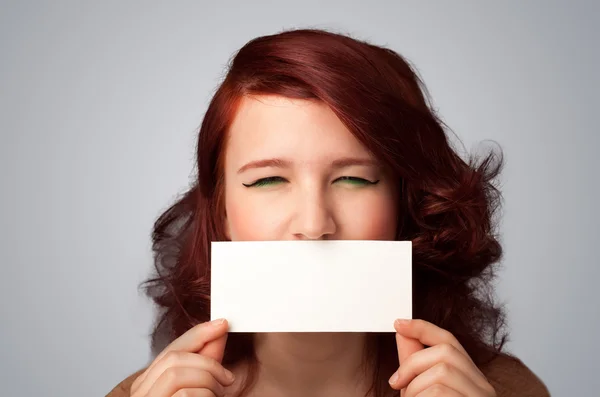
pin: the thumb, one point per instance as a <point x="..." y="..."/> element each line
<point x="215" y="349"/>
<point x="406" y="347"/>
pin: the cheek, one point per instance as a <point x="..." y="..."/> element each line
<point x="369" y="219"/>
<point x="248" y="221"/>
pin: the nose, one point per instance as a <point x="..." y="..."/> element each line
<point x="313" y="219"/>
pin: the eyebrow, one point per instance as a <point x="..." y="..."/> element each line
<point x="281" y="163"/>
<point x="350" y="161"/>
<point x="276" y="163"/>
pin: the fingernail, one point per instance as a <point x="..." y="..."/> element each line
<point x="229" y="375"/>
<point x="401" y="321"/>
<point x="218" y="322"/>
<point x="394" y="378"/>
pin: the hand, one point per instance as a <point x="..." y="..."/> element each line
<point x="444" y="369"/>
<point x="189" y="366"/>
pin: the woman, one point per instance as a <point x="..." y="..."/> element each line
<point x="315" y="135"/>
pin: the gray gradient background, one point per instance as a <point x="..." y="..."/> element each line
<point x="99" y="104"/>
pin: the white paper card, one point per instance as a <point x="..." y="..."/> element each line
<point x="311" y="286"/>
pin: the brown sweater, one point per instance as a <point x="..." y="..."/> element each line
<point x="509" y="376"/>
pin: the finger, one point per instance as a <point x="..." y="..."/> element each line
<point x="176" y="378"/>
<point x="443" y="374"/>
<point x="425" y="359"/>
<point x="184" y="360"/>
<point x="197" y="337"/>
<point x="191" y="341"/>
<point x="406" y="347"/>
<point x="137" y="382"/>
<point x="194" y="393"/>
<point x="215" y="348"/>
<point x="439" y="390"/>
<point x="427" y="333"/>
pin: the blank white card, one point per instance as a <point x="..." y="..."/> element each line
<point x="311" y="286"/>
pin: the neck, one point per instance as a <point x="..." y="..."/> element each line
<point x="315" y="364"/>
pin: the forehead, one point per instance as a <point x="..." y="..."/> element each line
<point x="302" y="130"/>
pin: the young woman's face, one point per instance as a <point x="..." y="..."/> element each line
<point x="294" y="171"/>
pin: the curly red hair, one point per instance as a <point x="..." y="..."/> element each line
<point x="447" y="206"/>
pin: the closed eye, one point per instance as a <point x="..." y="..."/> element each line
<point x="270" y="181"/>
<point x="276" y="180"/>
<point x="356" y="181"/>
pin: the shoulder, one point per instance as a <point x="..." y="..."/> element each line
<point x="511" y="378"/>
<point x="123" y="388"/>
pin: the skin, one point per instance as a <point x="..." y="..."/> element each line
<point x="293" y="171"/>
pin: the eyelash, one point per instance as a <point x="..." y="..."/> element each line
<point x="275" y="179"/>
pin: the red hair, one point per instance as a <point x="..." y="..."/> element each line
<point x="446" y="209"/>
